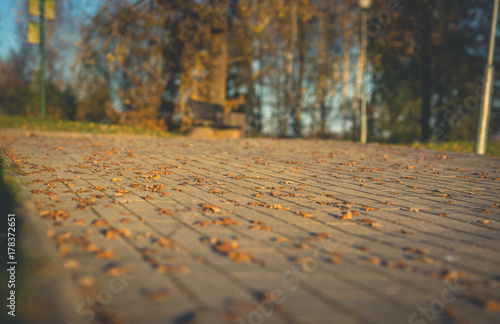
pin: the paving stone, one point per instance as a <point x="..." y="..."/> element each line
<point x="348" y="271"/>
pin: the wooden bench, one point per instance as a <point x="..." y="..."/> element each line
<point x="211" y="114"/>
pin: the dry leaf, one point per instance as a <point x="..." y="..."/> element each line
<point x="79" y="222"/>
<point x="227" y="222"/>
<point x="374" y="261"/>
<point x="116" y="179"/>
<point x="100" y="222"/>
<point x="210" y="208"/>
<point x="277" y="207"/>
<point x="105" y="254"/>
<point x="346" y="216"/>
<point x="158" y="295"/>
<point x="166" y="243"/>
<point x="335" y="260"/>
<point x="57" y="215"/>
<point x="117" y="270"/>
<point x="125" y="232"/>
<point x="162" y="268"/>
<point x="71" y="264"/>
<point x="281" y="239"/>
<point x="225" y="246"/>
<point x="164" y="211"/>
<point x="110" y="234"/>
<point x="306" y="215"/>
<point x="241" y="257"/>
<point x="204" y="223"/>
<point x="323" y="236"/>
<point x="492" y="305"/>
<point x="370" y="222"/>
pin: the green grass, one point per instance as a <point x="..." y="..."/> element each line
<point x="493" y="148"/>
<point x="30" y="123"/>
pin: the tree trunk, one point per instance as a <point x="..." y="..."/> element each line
<point x="299" y="95"/>
<point x="357" y="91"/>
<point x="219" y="55"/>
<point x="346" y="69"/>
<point x="289" y="58"/>
<point x="426" y="86"/>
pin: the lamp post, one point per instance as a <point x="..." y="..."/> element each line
<point x="484" y="113"/>
<point x="364" y="5"/>
<point x="42" y="59"/>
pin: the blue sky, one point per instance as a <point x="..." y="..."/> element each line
<point x="9" y="38"/>
<point x="12" y="9"/>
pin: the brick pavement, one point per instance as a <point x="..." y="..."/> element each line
<point x="159" y="230"/>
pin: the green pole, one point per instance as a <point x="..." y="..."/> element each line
<point x="42" y="58"/>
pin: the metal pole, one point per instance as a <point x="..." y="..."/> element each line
<point x="42" y="59"/>
<point x="484" y="113"/>
<point x="363" y="77"/>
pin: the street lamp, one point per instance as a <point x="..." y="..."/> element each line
<point x="364" y="5"/>
<point x="484" y="113"/>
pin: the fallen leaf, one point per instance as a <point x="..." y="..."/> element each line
<point x="158" y="295"/>
<point x="110" y="234"/>
<point x="100" y="222"/>
<point x="241" y="257"/>
<point x="71" y="264"/>
<point x="105" y="254"/>
<point x="116" y="179"/>
<point x="227" y="222"/>
<point x="79" y="222"/>
<point x="164" y="211"/>
<point x="225" y="246"/>
<point x="125" y="232"/>
<point x="323" y="236"/>
<point x="57" y="215"/>
<point x="277" y="207"/>
<point x="306" y="215"/>
<point x="116" y="270"/>
<point x="374" y="261"/>
<point x="492" y="305"/>
<point x="210" y="208"/>
<point x="166" y="243"/>
<point x="334" y="260"/>
<point x="281" y="239"/>
<point x="204" y="223"/>
<point x="370" y="222"/>
<point x="346" y="216"/>
<point x="163" y="268"/>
